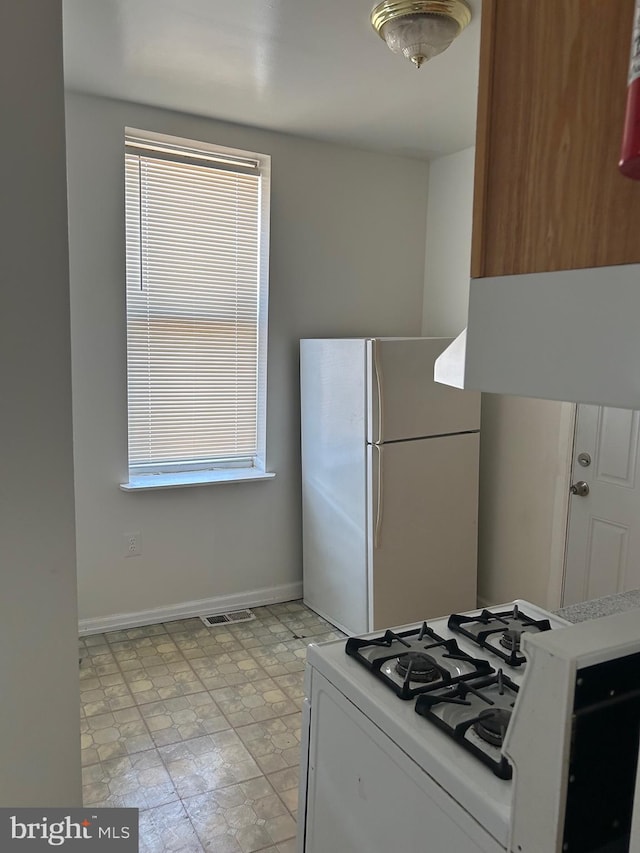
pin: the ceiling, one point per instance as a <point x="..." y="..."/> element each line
<point x="315" y="69"/>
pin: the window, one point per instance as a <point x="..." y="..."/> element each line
<point x="197" y="226"/>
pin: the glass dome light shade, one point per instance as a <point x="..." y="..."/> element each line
<point x="420" y="37"/>
<point x="420" y="29"/>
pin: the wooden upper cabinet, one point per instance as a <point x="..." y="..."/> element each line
<point x="552" y="94"/>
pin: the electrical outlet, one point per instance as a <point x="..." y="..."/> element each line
<point x="132" y="544"/>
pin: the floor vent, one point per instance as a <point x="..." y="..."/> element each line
<point x="226" y="618"/>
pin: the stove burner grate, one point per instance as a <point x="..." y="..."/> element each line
<point x="399" y="660"/>
<point x="500" y="631"/>
<point x="476" y="714"/>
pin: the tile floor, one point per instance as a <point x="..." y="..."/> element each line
<point x="199" y="728"/>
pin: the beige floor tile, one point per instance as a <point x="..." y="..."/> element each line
<point x="307" y="624"/>
<point x="112" y="735"/>
<point x="324" y="638"/>
<point x="285" y="782"/>
<point x="146" y="652"/>
<point x="167" y="829"/>
<point x="185" y="632"/>
<point x="177" y="626"/>
<point x="103" y="693"/>
<point x="89" y="671"/>
<point x="94" y="640"/>
<point x="138" y="672"/>
<point x="288" y="608"/>
<point x="260" y="633"/>
<point x="183" y="718"/>
<point x="292" y="684"/>
<point x="228" y="669"/>
<point x="275" y="744"/>
<point x="115" y="637"/>
<point x="207" y="763"/>
<point x="97" y="656"/>
<point x="145" y="631"/>
<point x="281" y="658"/>
<point x="290" y="799"/>
<point x="197" y="628"/>
<point x="194" y="648"/>
<point x="282" y="828"/>
<point x="190" y="683"/>
<point x="253" y="702"/>
<point x="135" y="633"/>
<point x="261" y="616"/>
<point x="163" y="681"/>
<point x="285" y="847"/>
<point x="137" y="781"/>
<point x="244" y="818"/>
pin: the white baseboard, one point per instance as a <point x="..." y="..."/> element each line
<point x="188" y="609"/>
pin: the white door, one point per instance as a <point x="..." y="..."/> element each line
<point x="603" y="542"/>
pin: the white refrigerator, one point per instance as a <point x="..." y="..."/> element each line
<point x="389" y="483"/>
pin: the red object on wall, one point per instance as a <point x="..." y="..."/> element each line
<point x="630" y="155"/>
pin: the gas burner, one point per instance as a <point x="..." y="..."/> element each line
<point x="491" y="725"/>
<point x="510" y="639"/>
<point x="419" y="666"/>
<point x="500" y="632"/>
<point x="415" y="661"/>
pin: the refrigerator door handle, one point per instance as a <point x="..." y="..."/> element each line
<point x="377" y="531"/>
<point x="377" y="370"/>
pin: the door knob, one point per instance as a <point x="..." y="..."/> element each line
<point x="581" y="489"/>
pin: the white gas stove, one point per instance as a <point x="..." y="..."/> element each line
<point x="403" y="733"/>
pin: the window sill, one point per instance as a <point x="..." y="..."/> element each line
<point x="184" y="479"/>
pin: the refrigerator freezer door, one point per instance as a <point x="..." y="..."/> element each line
<point x="400" y="374"/>
<point x="334" y="505"/>
<point x="423" y="505"/>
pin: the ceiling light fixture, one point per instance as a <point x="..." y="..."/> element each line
<point x="420" y="29"/>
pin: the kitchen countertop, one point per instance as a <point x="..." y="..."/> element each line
<point x="601" y="606"/>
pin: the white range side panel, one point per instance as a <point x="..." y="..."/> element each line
<point x="423" y="548"/>
<point x="365" y="795"/>
<point x="334" y="517"/>
<point x="400" y="372"/>
<point x="538" y="740"/>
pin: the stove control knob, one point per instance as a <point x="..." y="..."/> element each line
<point x="581" y="489"/>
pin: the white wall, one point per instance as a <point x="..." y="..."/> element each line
<point x="448" y="245"/>
<point x="39" y="709"/>
<point x="525" y="444"/>
<point x="347" y="258"/>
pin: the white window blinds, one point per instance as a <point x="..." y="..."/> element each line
<point x="193" y="298"/>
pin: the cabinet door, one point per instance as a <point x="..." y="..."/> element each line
<point x="552" y="94"/>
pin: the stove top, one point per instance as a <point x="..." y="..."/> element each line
<point x="457" y="769"/>
<point x="468" y="697"/>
